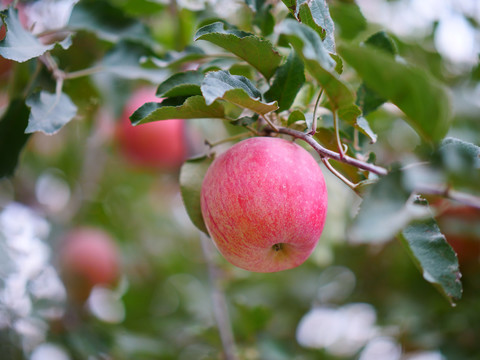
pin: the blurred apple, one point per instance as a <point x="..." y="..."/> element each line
<point x="461" y="226"/>
<point x="264" y="202"/>
<point x="88" y="257"/>
<point x="159" y="145"/>
<point x="5" y="64"/>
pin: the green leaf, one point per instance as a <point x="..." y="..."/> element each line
<point x="191" y="177"/>
<point x="256" y="51"/>
<point x="365" y="128"/>
<point x="49" y="112"/>
<point x="235" y="89"/>
<point x="12" y="136"/>
<point x="245" y="120"/>
<point x="434" y="256"/>
<point x="263" y="17"/>
<point x="348" y="17"/>
<point x="367" y="99"/>
<point x="289" y="79"/>
<point x="319" y="63"/>
<point x="108" y="23"/>
<point x="385" y="210"/>
<point x="459" y="154"/>
<point x="181" y="84"/>
<point x="19" y="44"/>
<point x="424" y="101"/>
<point x="316" y="15"/>
<point x="125" y="60"/>
<point x="295" y="116"/>
<point x="193" y="107"/>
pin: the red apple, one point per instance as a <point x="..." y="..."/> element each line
<point x="88" y="257"/>
<point x="157" y="145"/>
<point x="264" y="203"/>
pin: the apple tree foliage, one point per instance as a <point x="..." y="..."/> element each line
<point x="315" y="71"/>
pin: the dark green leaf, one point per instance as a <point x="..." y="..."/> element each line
<point x="257" y="52"/>
<point x="235" y="89"/>
<point x="382" y="41"/>
<point x="434" y="256"/>
<point x="348" y="18"/>
<point x="319" y="63"/>
<point x="181" y="84"/>
<point x="315" y="14"/>
<point x="193" y="107"/>
<point x="49" y="112"/>
<point x="425" y="102"/>
<point x="191" y="177"/>
<point x="12" y="136"/>
<point x="384" y="211"/>
<point x="288" y="81"/>
<point x="108" y="23"/>
<point x="124" y="60"/>
<point x="19" y="44"/>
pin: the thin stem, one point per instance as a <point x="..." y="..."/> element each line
<point x="269" y="122"/>
<point x="337" y="134"/>
<point x="314" y="123"/>
<point x="447" y="192"/>
<point x="229" y="139"/>
<point x="219" y="302"/>
<point x="338" y="174"/>
<point x="323" y="152"/>
<point x="34" y="76"/>
<point x="83" y="72"/>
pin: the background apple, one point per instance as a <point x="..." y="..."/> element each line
<point x="264" y="203"/>
<point x="88" y="256"/>
<point x="157" y="145"/>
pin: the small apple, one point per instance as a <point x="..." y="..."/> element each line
<point x="157" y="145"/>
<point x="88" y="256"/>
<point x="264" y="202"/>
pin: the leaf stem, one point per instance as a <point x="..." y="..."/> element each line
<point x="337" y="134"/>
<point x="229" y="139"/>
<point x="83" y="72"/>
<point x="269" y="122"/>
<point x="338" y="174"/>
<point x="326" y="153"/>
<point x="314" y="123"/>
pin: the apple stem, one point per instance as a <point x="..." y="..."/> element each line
<point x="219" y="302"/>
<point x="326" y="153"/>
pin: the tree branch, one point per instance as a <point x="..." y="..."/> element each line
<point x="447" y="192"/>
<point x="326" y="153"/>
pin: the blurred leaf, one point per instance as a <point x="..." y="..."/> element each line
<point x="367" y="99"/>
<point x="459" y="154"/>
<point x="434" y="256"/>
<point x="289" y="79"/>
<point x="19" y="44"/>
<point x="364" y="126"/>
<point x="191" y="53"/>
<point x="245" y="120"/>
<point x="262" y="17"/>
<point x="124" y="60"/>
<point x="319" y="63"/>
<point x="295" y="116"/>
<point x="256" y="51"/>
<point x="235" y="89"/>
<point x="349" y="19"/>
<point x="108" y="22"/>
<point x="425" y="102"/>
<point x="384" y="211"/>
<point x="193" y="107"/>
<point x="191" y="177"/>
<point x="12" y="136"/>
<point x="181" y="84"/>
<point x="316" y="15"/>
<point x="49" y="112"/>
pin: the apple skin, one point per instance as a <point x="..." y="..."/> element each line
<point x="159" y="145"/>
<point x="264" y="203"/>
<point x="88" y="257"/>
